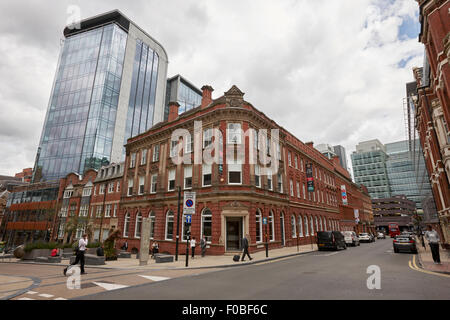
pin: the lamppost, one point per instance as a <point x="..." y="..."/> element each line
<point x="178" y="224"/>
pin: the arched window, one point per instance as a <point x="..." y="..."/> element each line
<point x="317" y="225"/>
<point x="325" y="224"/>
<point x="312" y="225"/>
<point x="306" y="226"/>
<point x="321" y="225"/>
<point x="300" y="226"/>
<point x="152" y="224"/>
<point x="138" y="226"/>
<point x="126" y="225"/>
<point x="258" y="222"/>
<point x="293" y="227"/>
<point x="271" y="226"/>
<point x="207" y="224"/>
<point x="169" y="225"/>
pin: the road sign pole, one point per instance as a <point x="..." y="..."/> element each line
<point x="187" y="243"/>
<point x="178" y="224"/>
<point x="267" y="244"/>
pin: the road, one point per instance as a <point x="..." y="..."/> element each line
<point x="317" y="275"/>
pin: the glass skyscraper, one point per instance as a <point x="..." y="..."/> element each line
<point x="182" y="91"/>
<point x="392" y="169"/>
<point x="109" y="86"/>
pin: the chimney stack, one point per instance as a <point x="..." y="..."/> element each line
<point x="310" y="144"/>
<point x="173" y="110"/>
<point x="206" y="96"/>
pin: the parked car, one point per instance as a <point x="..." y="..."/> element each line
<point x="365" y="237"/>
<point x="330" y="240"/>
<point x="404" y="243"/>
<point x="381" y="235"/>
<point x="351" y="238"/>
<point x="407" y="234"/>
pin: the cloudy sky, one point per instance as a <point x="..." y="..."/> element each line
<point x="328" y="71"/>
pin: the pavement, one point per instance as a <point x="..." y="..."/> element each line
<point x="426" y="259"/>
<point x="209" y="261"/>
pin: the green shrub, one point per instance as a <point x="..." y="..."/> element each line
<point x="94" y="244"/>
<point x="40" y="245"/>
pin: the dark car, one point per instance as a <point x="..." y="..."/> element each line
<point x="330" y="240"/>
<point x="404" y="243"/>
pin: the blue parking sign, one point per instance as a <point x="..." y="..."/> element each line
<point x="264" y="220"/>
<point x="188" y="219"/>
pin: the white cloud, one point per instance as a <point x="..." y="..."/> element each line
<point x="325" y="70"/>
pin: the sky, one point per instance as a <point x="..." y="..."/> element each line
<point x="327" y="71"/>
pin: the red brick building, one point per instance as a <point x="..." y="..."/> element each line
<point x="233" y="198"/>
<point x="105" y="200"/>
<point x="433" y="104"/>
<point x="74" y="196"/>
<point x="25" y="175"/>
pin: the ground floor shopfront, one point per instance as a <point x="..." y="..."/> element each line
<point x="225" y="222"/>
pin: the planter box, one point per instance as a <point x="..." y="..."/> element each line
<point x="125" y="254"/>
<point x="90" y="260"/>
<point x="163" y="258"/>
<point x="33" y="254"/>
<point x="48" y="259"/>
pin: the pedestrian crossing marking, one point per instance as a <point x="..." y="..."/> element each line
<point x="44" y="295"/>
<point x="155" y="278"/>
<point x="110" y="286"/>
<point x="25" y="299"/>
<point x="31" y="292"/>
<point x="60" y="299"/>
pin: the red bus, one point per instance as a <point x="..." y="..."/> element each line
<point x="394" y="230"/>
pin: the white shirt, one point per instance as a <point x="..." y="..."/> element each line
<point x="432" y="236"/>
<point x="192" y="243"/>
<point x="82" y="244"/>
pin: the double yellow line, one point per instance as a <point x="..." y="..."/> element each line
<point x="413" y="265"/>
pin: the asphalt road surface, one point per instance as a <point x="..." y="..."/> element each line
<point x="317" y="275"/>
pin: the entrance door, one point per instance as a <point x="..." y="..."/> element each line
<point x="234" y="234"/>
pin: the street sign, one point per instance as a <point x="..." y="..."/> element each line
<point x="189" y="203"/>
<point x="188" y="219"/>
<point x="309" y="177"/>
<point x="264" y="220"/>
<point x="344" y="195"/>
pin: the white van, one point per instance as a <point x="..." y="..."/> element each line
<point x="351" y="238"/>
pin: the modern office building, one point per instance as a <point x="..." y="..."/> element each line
<point x="180" y="90"/>
<point x="340" y="152"/>
<point x="369" y="168"/>
<point x="326" y="149"/>
<point x="110" y="85"/>
<point x="397" y="167"/>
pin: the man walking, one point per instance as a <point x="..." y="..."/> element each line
<point x="80" y="254"/>
<point x="245" y="245"/>
<point x="203" y="245"/>
<point x="433" y="239"/>
<point x="193" y="247"/>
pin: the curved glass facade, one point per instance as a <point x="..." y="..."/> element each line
<point x="141" y="105"/>
<point x="80" y="120"/>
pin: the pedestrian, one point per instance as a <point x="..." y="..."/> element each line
<point x="193" y="247"/>
<point x="80" y="254"/>
<point x="203" y="245"/>
<point x="155" y="248"/>
<point x="433" y="240"/>
<point x="245" y="245"/>
<point x="125" y="246"/>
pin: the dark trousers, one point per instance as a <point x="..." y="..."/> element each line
<point x="203" y="251"/>
<point x="193" y="251"/>
<point x="246" y="253"/>
<point x="435" y="252"/>
<point x="80" y="259"/>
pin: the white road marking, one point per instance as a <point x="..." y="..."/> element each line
<point x="31" y="292"/>
<point x="46" y="295"/>
<point x="59" y="299"/>
<point x="110" y="286"/>
<point x="154" y="278"/>
<point x="25" y="299"/>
